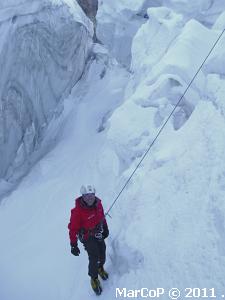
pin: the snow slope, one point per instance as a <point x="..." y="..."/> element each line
<point x="167" y="228"/>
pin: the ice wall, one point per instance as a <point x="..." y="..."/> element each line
<point x="43" y="50"/>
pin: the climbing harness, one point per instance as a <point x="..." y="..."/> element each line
<point x="96" y="232"/>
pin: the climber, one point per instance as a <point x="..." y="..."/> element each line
<point x="88" y="224"/>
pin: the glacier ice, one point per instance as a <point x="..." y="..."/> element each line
<point x="43" y="50"/>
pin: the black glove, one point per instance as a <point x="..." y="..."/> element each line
<point x="105" y="231"/>
<point x="75" y="250"/>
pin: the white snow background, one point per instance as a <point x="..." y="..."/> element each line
<point x="168" y="226"/>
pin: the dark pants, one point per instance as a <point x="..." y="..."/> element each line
<point x="96" y="254"/>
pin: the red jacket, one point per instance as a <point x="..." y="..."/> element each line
<point x="84" y="217"/>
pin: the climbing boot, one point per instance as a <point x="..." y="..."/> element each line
<point x="96" y="286"/>
<point x="102" y="273"/>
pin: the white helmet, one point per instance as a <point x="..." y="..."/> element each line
<point x="88" y="189"/>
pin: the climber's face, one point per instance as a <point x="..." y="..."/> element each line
<point x="89" y="199"/>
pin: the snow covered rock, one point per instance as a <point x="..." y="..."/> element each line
<point x="90" y="7"/>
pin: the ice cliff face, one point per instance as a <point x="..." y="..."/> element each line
<point x="43" y="50"/>
<point x="166" y="50"/>
<point x="119" y="21"/>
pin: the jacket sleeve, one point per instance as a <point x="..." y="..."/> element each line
<point x="74" y="225"/>
<point x="105" y="230"/>
<point x="105" y="225"/>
